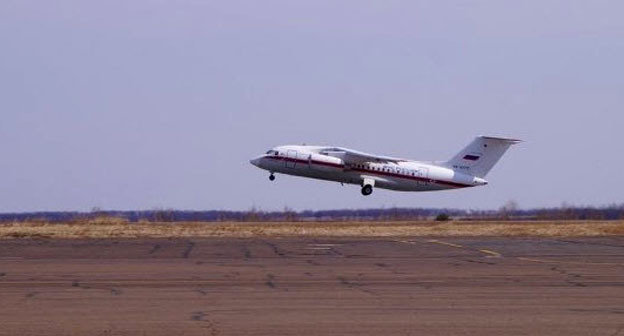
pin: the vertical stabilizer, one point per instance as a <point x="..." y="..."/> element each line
<point x="480" y="155"/>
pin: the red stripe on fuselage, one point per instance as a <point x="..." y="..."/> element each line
<point x="373" y="172"/>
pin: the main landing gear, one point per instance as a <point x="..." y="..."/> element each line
<point x="367" y="190"/>
<point x="272" y="177"/>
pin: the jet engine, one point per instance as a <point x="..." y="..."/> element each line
<point x="325" y="162"/>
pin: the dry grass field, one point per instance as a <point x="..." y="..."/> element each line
<point x="111" y="227"/>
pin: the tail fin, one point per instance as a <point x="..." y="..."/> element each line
<point x="481" y="155"/>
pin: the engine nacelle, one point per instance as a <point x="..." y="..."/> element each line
<point x="325" y="162"/>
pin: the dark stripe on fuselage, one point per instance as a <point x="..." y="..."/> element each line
<point x="413" y="178"/>
<point x="372" y="172"/>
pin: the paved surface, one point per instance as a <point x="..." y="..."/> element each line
<point x="305" y="286"/>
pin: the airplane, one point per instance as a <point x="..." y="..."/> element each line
<point x="466" y="169"/>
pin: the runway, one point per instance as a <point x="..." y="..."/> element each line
<point x="313" y="286"/>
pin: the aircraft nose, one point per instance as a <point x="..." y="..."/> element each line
<point x="256" y="161"/>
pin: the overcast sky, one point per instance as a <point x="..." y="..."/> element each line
<point x="147" y="104"/>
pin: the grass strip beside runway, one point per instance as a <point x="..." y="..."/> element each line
<point x="117" y="228"/>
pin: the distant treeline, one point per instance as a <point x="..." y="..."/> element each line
<point x="507" y="212"/>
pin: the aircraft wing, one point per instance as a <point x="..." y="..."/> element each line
<point x="353" y="156"/>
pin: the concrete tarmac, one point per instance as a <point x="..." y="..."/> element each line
<point x="313" y="286"/>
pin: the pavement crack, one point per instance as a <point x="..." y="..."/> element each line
<point x="198" y="316"/>
<point x="270" y="277"/>
<point x="31" y="294"/>
<point x="599" y="310"/>
<point x="276" y="249"/>
<point x="188" y="250"/>
<point x="570" y="278"/>
<point x="587" y="243"/>
<point x="246" y="252"/>
<point x="154" y="249"/>
<point x="355" y="285"/>
<point x="75" y="283"/>
<point x="209" y="323"/>
<point x="337" y="253"/>
<point x="479" y="262"/>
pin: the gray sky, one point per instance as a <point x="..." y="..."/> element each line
<point x="144" y="104"/>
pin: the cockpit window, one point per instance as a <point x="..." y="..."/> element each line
<point x="272" y="152"/>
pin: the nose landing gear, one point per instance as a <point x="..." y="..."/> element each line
<point x="271" y="177"/>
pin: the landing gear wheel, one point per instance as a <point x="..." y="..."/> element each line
<point x="272" y="177"/>
<point x="367" y="190"/>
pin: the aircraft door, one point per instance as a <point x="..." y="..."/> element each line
<point x="291" y="158"/>
<point x="304" y="157"/>
<point x="422" y="174"/>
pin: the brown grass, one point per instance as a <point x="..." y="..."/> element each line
<point x="119" y="228"/>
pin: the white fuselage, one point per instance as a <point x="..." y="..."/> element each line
<point x="326" y="163"/>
